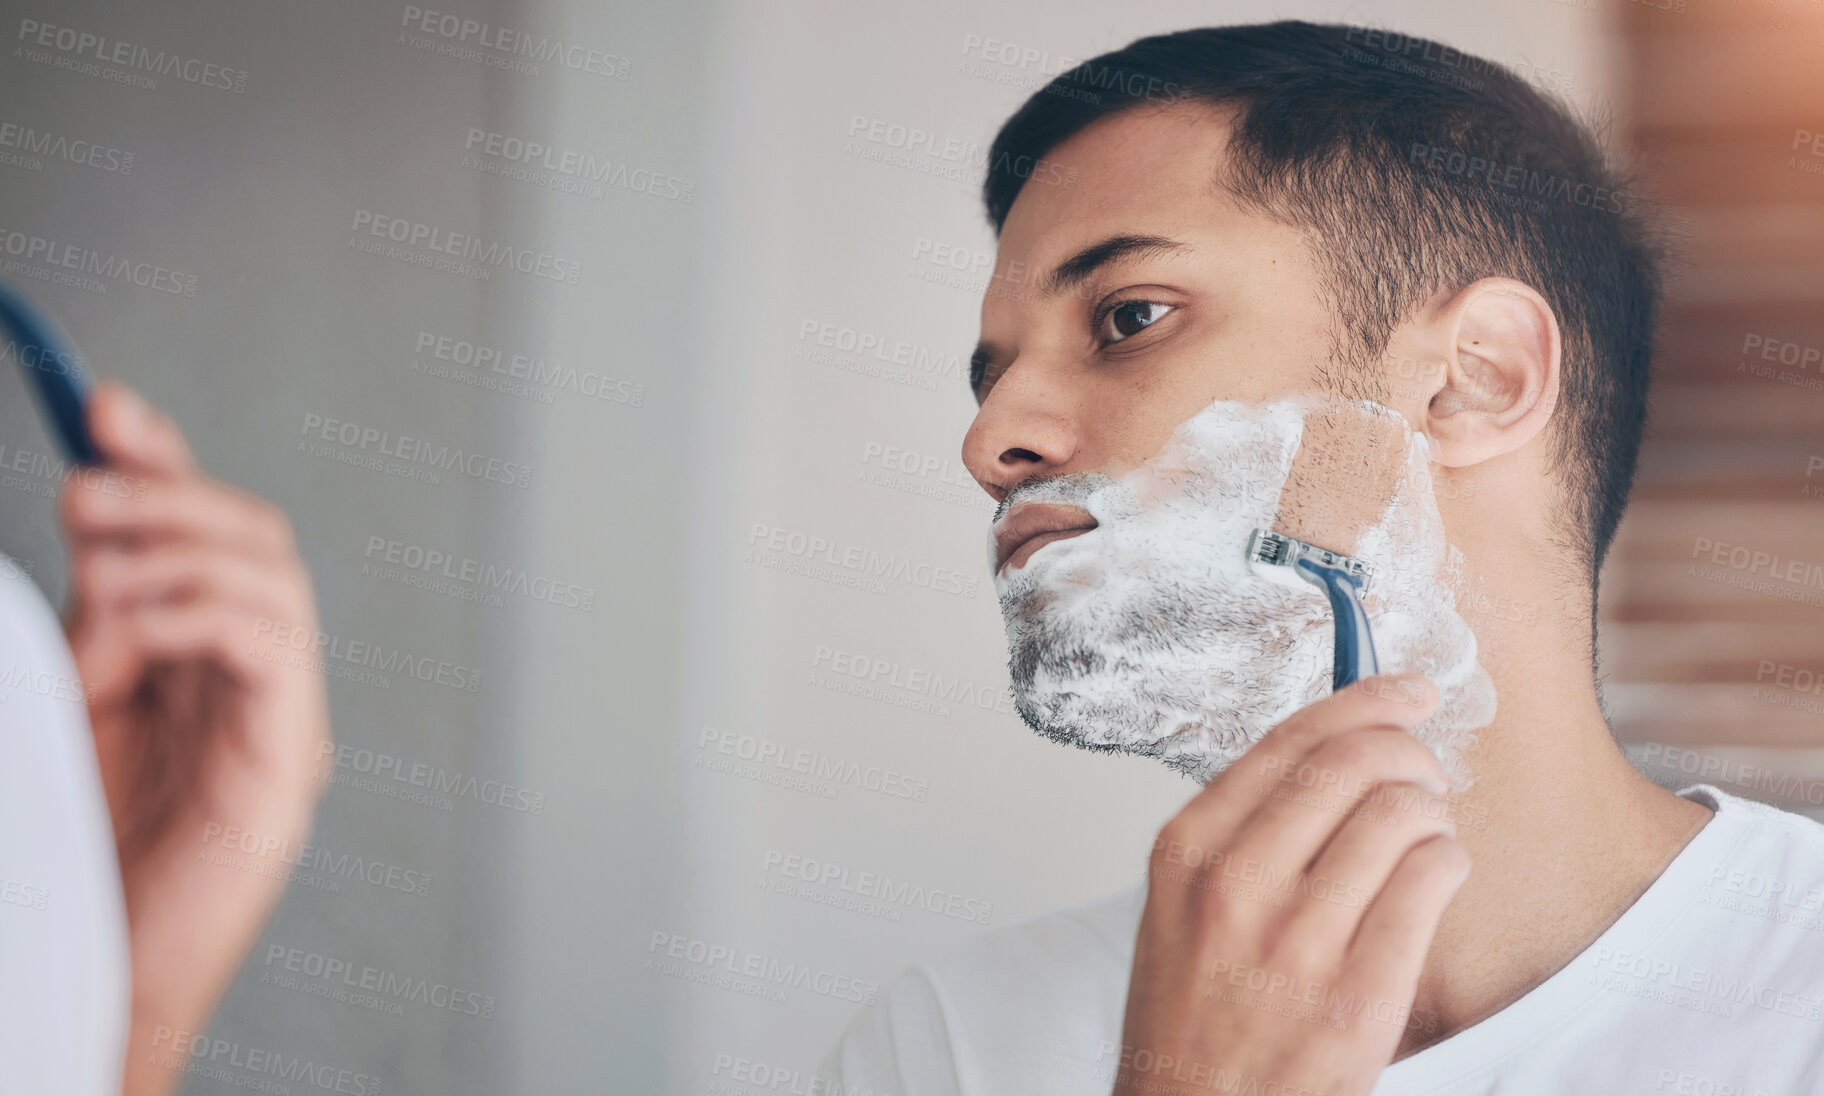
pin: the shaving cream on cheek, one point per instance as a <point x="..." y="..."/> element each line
<point x="1153" y="633"/>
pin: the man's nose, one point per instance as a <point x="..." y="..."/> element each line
<point x="1024" y="428"/>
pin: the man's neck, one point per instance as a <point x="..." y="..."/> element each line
<point x="1565" y="835"/>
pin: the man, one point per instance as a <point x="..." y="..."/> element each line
<point x="119" y="930"/>
<point x="1293" y="215"/>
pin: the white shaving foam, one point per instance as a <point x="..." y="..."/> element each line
<point x="1153" y="634"/>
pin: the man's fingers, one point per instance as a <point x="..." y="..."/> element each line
<point x="133" y="435"/>
<point x="1384" y="960"/>
<point x="190" y="508"/>
<point x="1357" y="863"/>
<point x="1387" y="700"/>
<point x="190" y="630"/>
<point x="1314" y="797"/>
<point x="1394" y="700"/>
<point x="109" y="578"/>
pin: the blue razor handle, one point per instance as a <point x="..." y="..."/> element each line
<point x="1354" y="642"/>
<point x="1343" y="580"/>
<point x="57" y="375"/>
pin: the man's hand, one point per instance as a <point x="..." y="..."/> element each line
<point x="1290" y="906"/>
<point x="208" y="727"/>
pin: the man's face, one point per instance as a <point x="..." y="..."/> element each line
<point x="1153" y="358"/>
<point x="1095" y="376"/>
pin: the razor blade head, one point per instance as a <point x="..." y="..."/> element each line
<point x="1279" y="550"/>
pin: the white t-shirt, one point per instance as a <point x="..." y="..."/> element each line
<point x="63" y="931"/>
<point x="1710" y="984"/>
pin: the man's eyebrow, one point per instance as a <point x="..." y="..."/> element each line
<point x="1077" y="269"/>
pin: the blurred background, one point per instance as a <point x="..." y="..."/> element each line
<point x="721" y="335"/>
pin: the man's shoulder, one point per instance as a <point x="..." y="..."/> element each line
<point x="25" y="615"/>
<point x="1766" y="885"/>
<point x="1079" y="945"/>
<point x="1765" y="828"/>
<point x="1043" y="998"/>
<point x="1030" y="1007"/>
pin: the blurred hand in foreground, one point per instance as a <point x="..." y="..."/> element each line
<point x="186" y="599"/>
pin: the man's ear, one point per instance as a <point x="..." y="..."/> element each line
<point x="1499" y="382"/>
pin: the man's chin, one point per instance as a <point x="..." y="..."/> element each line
<point x="1188" y="745"/>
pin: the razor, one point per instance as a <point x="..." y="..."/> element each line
<point x="1343" y="579"/>
<point x="55" y="372"/>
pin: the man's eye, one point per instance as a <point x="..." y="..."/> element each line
<point x="982" y="375"/>
<point x="1131" y="318"/>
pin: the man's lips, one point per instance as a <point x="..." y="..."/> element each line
<point x="1029" y="527"/>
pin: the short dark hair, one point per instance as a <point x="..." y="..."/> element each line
<point x="1413" y="168"/>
